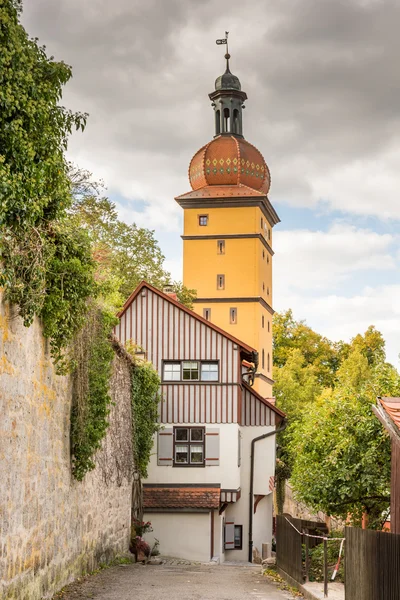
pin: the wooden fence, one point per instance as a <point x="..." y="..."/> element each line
<point x="289" y="550"/>
<point x="289" y="547"/>
<point x="372" y="565"/>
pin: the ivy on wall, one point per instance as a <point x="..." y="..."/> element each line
<point x="145" y="395"/>
<point x="93" y="355"/>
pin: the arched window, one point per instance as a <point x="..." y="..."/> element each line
<point x="235" y="121"/>
<point x="227" y="120"/>
<point x="217" y="122"/>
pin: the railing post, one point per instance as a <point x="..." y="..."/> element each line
<point x="307" y="544"/>
<point x="325" y="568"/>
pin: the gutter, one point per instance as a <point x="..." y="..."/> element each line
<point x="251" y="511"/>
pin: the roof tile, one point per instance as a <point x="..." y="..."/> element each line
<point x="180" y="497"/>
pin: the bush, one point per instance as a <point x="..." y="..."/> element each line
<point x="316" y="572"/>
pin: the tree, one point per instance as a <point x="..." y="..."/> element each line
<point x="342" y="453"/>
<point x="316" y="350"/>
<point x="127" y="253"/>
<point x="46" y="266"/>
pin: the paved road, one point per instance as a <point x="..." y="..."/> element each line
<point x="181" y="582"/>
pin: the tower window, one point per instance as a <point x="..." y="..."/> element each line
<point x="203" y="220"/>
<point x="263" y="254"/>
<point x="263" y="287"/>
<point x="207" y="313"/>
<point x="263" y="359"/>
<point x="217" y="122"/>
<point x="267" y="291"/>
<point x="227" y="120"/>
<point x="262" y="223"/>
<point x="221" y="247"/>
<point x="235" y="123"/>
<point x="269" y="234"/>
<point x="233" y="316"/>
<point x="268" y="363"/>
<point x="262" y="321"/>
<point x="268" y="326"/>
<point x="220" y="282"/>
<point x="267" y="260"/>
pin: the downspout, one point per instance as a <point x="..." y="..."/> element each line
<point x="253" y="442"/>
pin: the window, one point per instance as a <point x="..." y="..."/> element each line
<point x="267" y="260"/>
<point x="188" y="446"/>
<point x="267" y="291"/>
<point x="217" y="122"/>
<point x="262" y="321"/>
<point x="203" y="220"/>
<point x="263" y="254"/>
<point x="227" y="120"/>
<point x="263" y="287"/>
<point x="263" y="359"/>
<point x="262" y="223"/>
<point x="172" y="371"/>
<point x="220" y="282"/>
<point x="233" y="316"/>
<point x="190" y="371"/>
<point x="269" y="234"/>
<point x="238" y="537"/>
<point x="209" y="371"/>
<point x="221" y="247"/>
<point x="268" y="326"/>
<point x="207" y="313"/>
<point x="268" y="363"/>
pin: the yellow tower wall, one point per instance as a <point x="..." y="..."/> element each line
<point x="247" y="266"/>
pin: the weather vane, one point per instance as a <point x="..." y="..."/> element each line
<point x="224" y="41"/>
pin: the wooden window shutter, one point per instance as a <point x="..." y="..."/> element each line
<point x="229" y="534"/>
<point x="212" y="447"/>
<point x="165" y="450"/>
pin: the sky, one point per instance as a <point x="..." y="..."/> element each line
<point x="323" y="107"/>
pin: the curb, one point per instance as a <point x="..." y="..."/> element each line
<point x="307" y="594"/>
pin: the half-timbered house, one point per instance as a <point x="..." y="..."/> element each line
<point x="197" y="494"/>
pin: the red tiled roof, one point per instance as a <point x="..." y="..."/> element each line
<point x="392" y="409"/>
<point x="180" y="497"/>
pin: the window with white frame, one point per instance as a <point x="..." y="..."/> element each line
<point x="172" y="371"/>
<point x="191" y="370"/>
<point x="189" y="446"/>
<point x="209" y="371"/>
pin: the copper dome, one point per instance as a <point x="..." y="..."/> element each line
<point x="228" y="160"/>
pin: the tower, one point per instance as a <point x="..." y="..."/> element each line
<point x="228" y="221"/>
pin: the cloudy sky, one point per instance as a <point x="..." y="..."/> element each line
<point x="323" y="82"/>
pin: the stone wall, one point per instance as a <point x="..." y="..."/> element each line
<point x="53" y="528"/>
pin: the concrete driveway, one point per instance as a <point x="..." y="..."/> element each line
<point x="181" y="582"/>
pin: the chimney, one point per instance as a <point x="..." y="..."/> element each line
<point x="169" y="291"/>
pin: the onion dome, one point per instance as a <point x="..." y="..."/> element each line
<point x="227" y="81"/>
<point x="229" y="160"/>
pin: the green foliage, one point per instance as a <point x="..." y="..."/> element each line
<point x="145" y="385"/>
<point x="124" y="254"/>
<point x="334" y="449"/>
<point x="33" y="128"/>
<point x="316" y="572"/>
<point x="91" y="400"/>
<point x="316" y="350"/>
<point x="342" y="452"/>
<point x="46" y="269"/>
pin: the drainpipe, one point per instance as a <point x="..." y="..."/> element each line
<point x="253" y="442"/>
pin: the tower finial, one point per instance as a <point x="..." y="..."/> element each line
<point x="224" y="41"/>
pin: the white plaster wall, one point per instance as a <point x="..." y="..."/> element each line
<point x="264" y="467"/>
<point x="227" y="473"/>
<point x="181" y="535"/>
<point x="262" y="523"/>
<point x="264" y="459"/>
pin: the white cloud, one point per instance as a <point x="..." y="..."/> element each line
<point x="341" y="318"/>
<point x="312" y="261"/>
